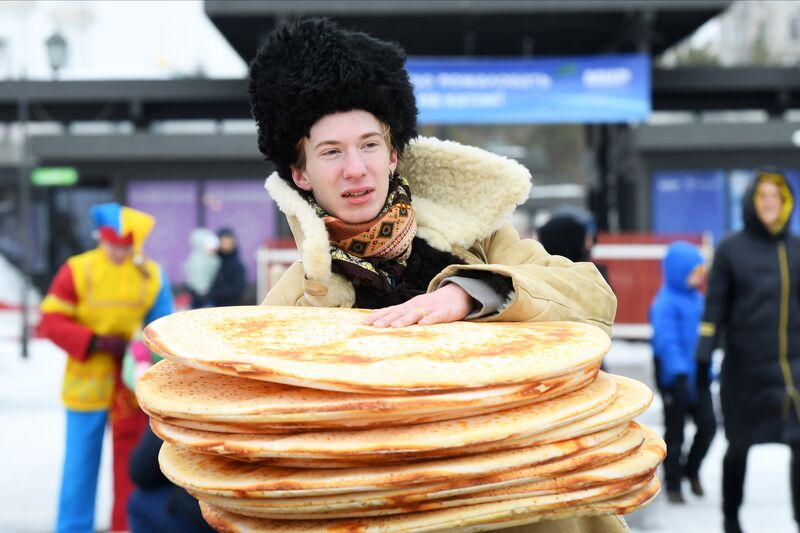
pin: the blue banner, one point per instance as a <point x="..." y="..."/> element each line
<point x="598" y="89"/>
<point x="689" y="201"/>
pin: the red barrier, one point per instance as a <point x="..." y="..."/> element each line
<point x="635" y="278"/>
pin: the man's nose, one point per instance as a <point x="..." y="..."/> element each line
<point x="354" y="166"/>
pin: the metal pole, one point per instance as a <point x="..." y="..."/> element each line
<point x="24" y="217"/>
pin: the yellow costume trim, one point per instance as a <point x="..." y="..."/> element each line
<point x="54" y="304"/>
<point x="111" y="300"/>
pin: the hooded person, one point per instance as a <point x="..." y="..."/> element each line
<point x="566" y="236"/>
<point x="570" y="233"/>
<point x="414" y="228"/>
<point x="753" y="311"/>
<point x="675" y="317"/>
<point x="229" y="282"/>
<point x="97" y="301"/>
<point x="202" y="265"/>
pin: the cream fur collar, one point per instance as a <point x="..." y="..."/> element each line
<point x="460" y="194"/>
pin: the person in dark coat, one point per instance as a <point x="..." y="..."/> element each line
<point x="753" y="307"/>
<point x="571" y="234"/>
<point x="229" y="283"/>
<point x="675" y="316"/>
<point x="158" y="506"/>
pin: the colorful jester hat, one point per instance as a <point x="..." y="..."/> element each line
<point x="123" y="226"/>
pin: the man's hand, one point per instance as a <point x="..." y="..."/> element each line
<point x="447" y="304"/>
<point x="110" y="344"/>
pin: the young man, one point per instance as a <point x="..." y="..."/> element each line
<point x="753" y="304"/>
<point x="675" y="316"/>
<point x="336" y="115"/>
<point x="95" y="304"/>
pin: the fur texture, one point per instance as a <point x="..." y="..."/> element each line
<point x="313" y="68"/>
<point x="423" y="265"/>
<point x="460" y="194"/>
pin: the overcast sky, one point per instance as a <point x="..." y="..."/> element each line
<point x="114" y="39"/>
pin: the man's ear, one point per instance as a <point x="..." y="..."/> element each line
<point x="393" y="160"/>
<point x="300" y="179"/>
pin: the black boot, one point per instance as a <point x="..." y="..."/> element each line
<point x="695" y="485"/>
<point x="732" y="526"/>
<point x="675" y="496"/>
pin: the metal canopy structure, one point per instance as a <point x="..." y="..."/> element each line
<point x="771" y="89"/>
<point x="148" y="148"/>
<point x="139" y="101"/>
<point x="481" y="27"/>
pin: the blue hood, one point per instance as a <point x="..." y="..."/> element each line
<point x="682" y="257"/>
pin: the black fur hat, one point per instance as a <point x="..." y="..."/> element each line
<point x="312" y="68"/>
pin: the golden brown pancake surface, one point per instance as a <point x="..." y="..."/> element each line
<point x="332" y="349"/>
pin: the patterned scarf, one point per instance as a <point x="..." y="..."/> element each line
<point x="375" y="252"/>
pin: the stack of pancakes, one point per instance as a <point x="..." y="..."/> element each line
<point x="304" y="419"/>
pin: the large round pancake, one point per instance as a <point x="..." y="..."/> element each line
<point x="331" y="348"/>
<point x="623" y="459"/>
<point x="480" y="517"/>
<point x="632" y="399"/>
<point x="585" y="494"/>
<point x="216" y="475"/>
<point x="432" y="439"/>
<point x="188" y="397"/>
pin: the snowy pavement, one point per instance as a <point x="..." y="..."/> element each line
<point x="31" y="450"/>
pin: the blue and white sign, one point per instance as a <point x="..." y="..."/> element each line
<point x="614" y="88"/>
<point x="689" y="201"/>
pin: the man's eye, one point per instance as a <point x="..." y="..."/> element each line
<point x="329" y="152"/>
<point x="371" y="144"/>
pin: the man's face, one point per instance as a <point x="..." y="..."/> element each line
<point x="347" y="165"/>
<point x="768" y="203"/>
<point x="116" y="253"/>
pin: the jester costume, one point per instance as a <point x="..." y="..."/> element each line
<point x="93" y="298"/>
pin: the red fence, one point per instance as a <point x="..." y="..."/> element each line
<point x="633" y="261"/>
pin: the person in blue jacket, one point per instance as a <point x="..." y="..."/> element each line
<point x="675" y="316"/>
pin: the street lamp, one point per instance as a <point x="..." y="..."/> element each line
<point x="56" y="52"/>
<point x="3" y="57"/>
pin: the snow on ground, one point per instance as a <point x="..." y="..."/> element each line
<point x="31" y="452"/>
<point x="767" y="502"/>
<point x="11" y="283"/>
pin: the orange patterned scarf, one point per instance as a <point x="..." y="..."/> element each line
<point x="374" y="252"/>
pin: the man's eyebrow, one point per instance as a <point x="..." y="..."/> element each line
<point x="363" y="136"/>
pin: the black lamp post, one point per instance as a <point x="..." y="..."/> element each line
<point x="24" y="217"/>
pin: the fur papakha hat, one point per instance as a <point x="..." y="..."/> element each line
<point x="312" y="68"/>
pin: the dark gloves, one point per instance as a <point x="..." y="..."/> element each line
<point x="109" y="344"/>
<point x="705" y="347"/>
<point x="702" y="355"/>
<point x="702" y="381"/>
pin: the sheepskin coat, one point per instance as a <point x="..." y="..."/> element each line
<point x="462" y="199"/>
